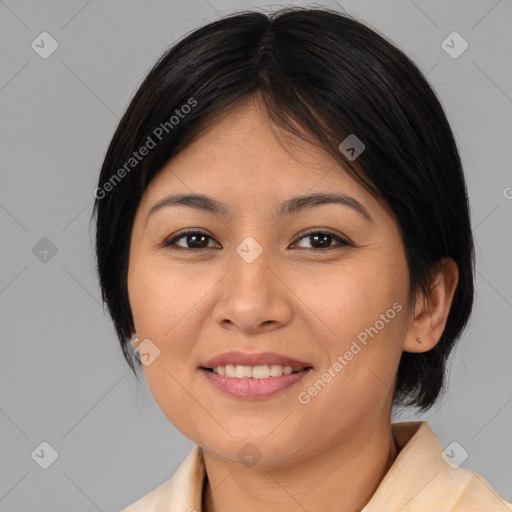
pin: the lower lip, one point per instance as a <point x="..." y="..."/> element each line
<point x="253" y="388"/>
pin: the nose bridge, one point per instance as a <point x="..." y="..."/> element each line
<point x="251" y="267"/>
<point x="252" y="296"/>
<point x="249" y="250"/>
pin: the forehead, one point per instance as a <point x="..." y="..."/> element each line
<point x="244" y="152"/>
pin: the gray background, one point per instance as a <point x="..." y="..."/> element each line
<point x="63" y="379"/>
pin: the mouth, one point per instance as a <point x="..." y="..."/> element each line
<point x="252" y="376"/>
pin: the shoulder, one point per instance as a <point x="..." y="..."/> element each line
<point x="467" y="491"/>
<point x="423" y="478"/>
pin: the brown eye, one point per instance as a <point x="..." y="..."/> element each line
<point x="322" y="240"/>
<point x="190" y="240"/>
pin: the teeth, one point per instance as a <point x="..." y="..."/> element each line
<point x="261" y="372"/>
<point x="243" y="372"/>
<point x="255" y="372"/>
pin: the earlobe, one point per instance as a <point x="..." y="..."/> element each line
<point x="431" y="310"/>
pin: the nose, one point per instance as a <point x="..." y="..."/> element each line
<point x="253" y="297"/>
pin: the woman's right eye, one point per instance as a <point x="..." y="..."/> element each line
<point x="190" y="240"/>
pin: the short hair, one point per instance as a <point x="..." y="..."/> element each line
<point x="323" y="76"/>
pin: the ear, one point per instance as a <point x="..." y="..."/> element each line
<point x="431" y="311"/>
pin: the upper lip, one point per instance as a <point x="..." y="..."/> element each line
<point x="239" y="358"/>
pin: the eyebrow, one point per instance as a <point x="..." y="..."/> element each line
<point x="289" y="207"/>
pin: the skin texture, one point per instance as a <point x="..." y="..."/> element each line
<point x="296" y="299"/>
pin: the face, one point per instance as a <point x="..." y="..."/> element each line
<point x="324" y="284"/>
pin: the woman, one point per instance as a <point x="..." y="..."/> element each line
<point x="283" y="234"/>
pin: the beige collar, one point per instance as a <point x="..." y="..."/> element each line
<point x="419" y="480"/>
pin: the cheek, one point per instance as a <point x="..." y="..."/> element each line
<point x="347" y="299"/>
<point x="361" y="313"/>
<point x="160" y="301"/>
<point x="161" y="296"/>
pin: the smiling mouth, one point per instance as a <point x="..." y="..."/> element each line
<point x="255" y="372"/>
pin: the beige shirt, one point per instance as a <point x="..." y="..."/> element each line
<point x="419" y="480"/>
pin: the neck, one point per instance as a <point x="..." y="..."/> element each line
<point x="347" y="473"/>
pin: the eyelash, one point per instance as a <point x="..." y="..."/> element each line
<point x="169" y="243"/>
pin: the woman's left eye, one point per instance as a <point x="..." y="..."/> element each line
<point x="196" y="240"/>
<point x="323" y="239"/>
